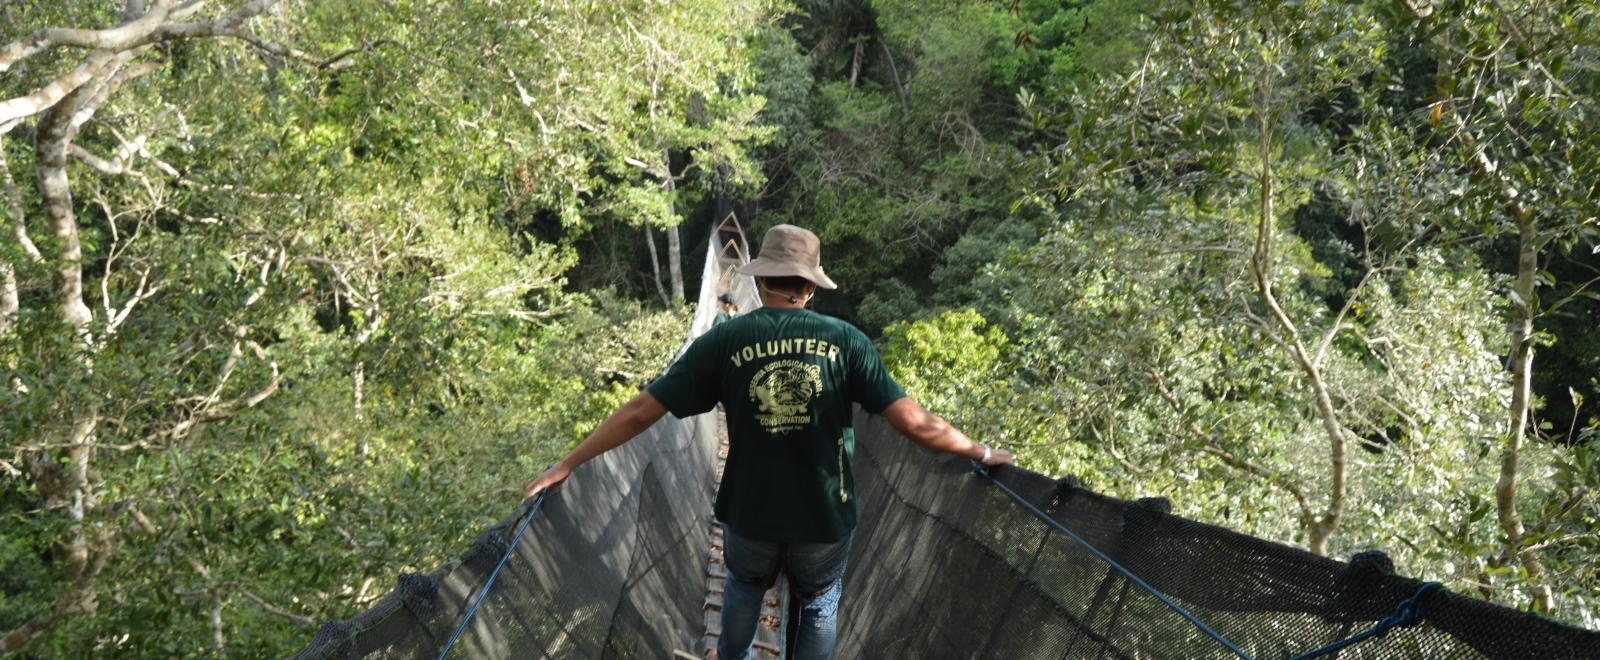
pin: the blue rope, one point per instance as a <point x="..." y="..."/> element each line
<point x="483" y="593"/>
<point x="1408" y="613"/>
<point x="978" y="469"/>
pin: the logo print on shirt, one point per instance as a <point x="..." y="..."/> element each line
<point x="783" y="392"/>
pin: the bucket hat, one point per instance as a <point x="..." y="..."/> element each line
<point x="787" y="251"/>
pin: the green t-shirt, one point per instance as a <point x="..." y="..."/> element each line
<point x="786" y="378"/>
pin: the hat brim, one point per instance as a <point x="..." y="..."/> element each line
<point x="766" y="268"/>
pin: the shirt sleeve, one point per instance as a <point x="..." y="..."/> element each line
<point x="690" y="385"/>
<point x="870" y="383"/>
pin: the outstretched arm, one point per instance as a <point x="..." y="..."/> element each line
<point x="623" y="425"/>
<point x="931" y="431"/>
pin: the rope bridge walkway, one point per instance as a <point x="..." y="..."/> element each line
<point x="1006" y="564"/>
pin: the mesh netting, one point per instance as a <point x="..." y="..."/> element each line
<point x="944" y="565"/>
<point x="613" y="565"/>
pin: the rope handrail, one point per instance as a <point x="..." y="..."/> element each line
<point x="977" y="468"/>
<point x="483" y="592"/>
<point x="1407" y="614"/>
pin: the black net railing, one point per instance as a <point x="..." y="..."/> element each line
<point x="945" y="564"/>
<point x="612" y="565"/>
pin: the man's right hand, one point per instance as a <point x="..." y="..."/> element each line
<point x="998" y="457"/>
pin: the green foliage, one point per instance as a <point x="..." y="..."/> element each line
<point x="361" y="341"/>
<point x="938" y="358"/>
<point x="1049" y="211"/>
<point x="1138" y="351"/>
<point x="1140" y="320"/>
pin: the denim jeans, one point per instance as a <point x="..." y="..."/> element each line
<point x="816" y="578"/>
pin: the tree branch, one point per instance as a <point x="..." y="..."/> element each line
<point x="1528" y="47"/>
<point x="128" y="35"/>
<point x="116" y="46"/>
<point x="894" y="73"/>
<point x="1338" y="320"/>
<point x="115" y="79"/>
<point x="10" y="298"/>
<point x="1511" y="550"/>
<point x="13" y="111"/>
<point x="268" y="607"/>
<point x="218" y="639"/>
<point x="209" y="411"/>
<point x="80" y="597"/>
<point x="19" y="226"/>
<point x="143" y="293"/>
<point x="1307" y="514"/>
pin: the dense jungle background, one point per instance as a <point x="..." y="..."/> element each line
<point x="295" y="296"/>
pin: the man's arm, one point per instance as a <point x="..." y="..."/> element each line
<point x="623" y="425"/>
<point x="931" y="431"/>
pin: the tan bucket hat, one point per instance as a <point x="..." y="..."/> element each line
<point x="786" y="251"/>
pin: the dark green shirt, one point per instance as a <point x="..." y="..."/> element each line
<point x="787" y="379"/>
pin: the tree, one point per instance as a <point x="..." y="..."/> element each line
<point x="317" y="287"/>
<point x="1315" y="111"/>
<point x="1522" y="121"/>
<point x="62" y="100"/>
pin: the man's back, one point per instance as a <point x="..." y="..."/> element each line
<point x="786" y="378"/>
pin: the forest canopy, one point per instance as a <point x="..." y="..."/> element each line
<point x="295" y="296"/>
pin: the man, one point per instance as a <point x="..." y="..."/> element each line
<point x="728" y="311"/>
<point x="786" y="377"/>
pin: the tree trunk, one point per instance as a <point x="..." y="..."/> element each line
<point x="1505" y="489"/>
<point x="55" y="132"/>
<point x="1321" y="528"/>
<point x="655" y="266"/>
<point x="50" y="150"/>
<point x="855" y="62"/>
<point x="675" y="262"/>
<point x="10" y="303"/>
<point x="674" y="243"/>
<point x="67" y="488"/>
<point x="358" y="383"/>
<point x="894" y="72"/>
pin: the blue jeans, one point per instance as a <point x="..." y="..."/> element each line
<point x="816" y="578"/>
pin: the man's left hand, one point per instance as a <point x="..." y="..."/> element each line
<point x="555" y="475"/>
<point x="999" y="457"/>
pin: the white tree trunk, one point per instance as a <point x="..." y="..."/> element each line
<point x="1320" y="528"/>
<point x="675" y="263"/>
<point x="674" y="243"/>
<point x="10" y="303"/>
<point x="655" y="266"/>
<point x="1505" y="489"/>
